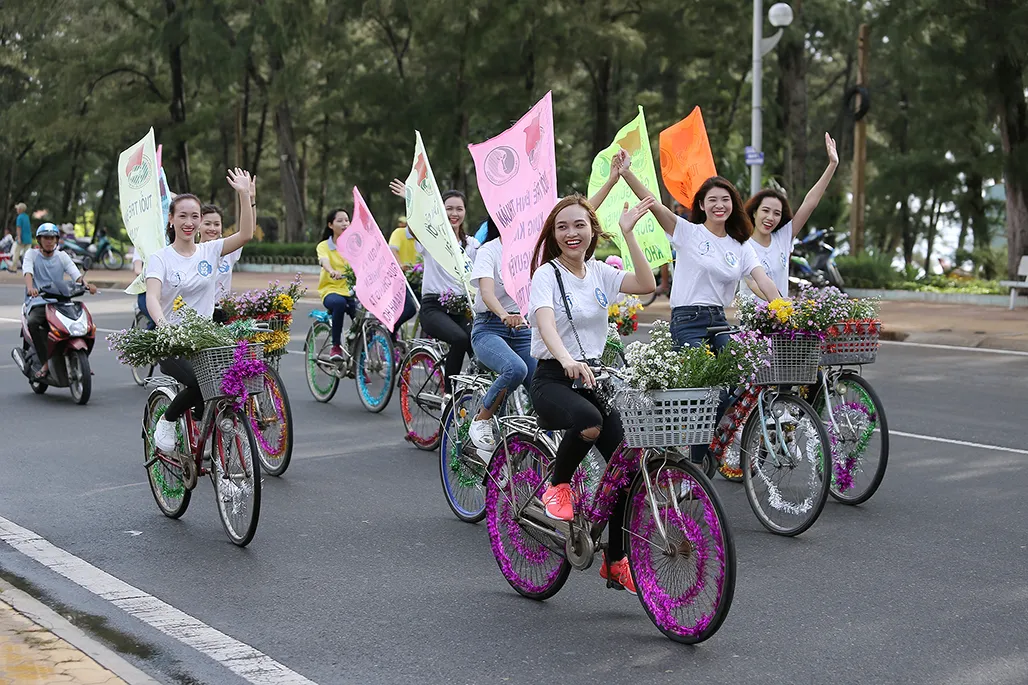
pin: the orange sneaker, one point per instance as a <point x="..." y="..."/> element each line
<point x="618" y="575"/>
<point x="559" y="501"/>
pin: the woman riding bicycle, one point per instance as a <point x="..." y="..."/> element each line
<point x="570" y="293"/>
<point x="187" y="271"/>
<point x="335" y="293"/>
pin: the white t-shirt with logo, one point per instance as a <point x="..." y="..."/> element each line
<point x="488" y="260"/>
<point x="708" y="268"/>
<point x="194" y="279"/>
<point x="436" y="280"/>
<point x="775" y="260"/>
<point x="225" y="267"/>
<point x="588" y="299"/>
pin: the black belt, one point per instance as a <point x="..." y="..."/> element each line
<point x="697" y="308"/>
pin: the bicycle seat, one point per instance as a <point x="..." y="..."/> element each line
<point x="718" y="330"/>
<point x="320" y="315"/>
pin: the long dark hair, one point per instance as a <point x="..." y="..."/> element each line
<point x="327" y="233"/>
<point x="546" y="247"/>
<point x="169" y="230"/>
<point x="461" y="235"/>
<point x="753" y="204"/>
<point x="737" y="225"/>
<point x="492" y="231"/>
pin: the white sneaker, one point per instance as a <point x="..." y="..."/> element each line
<point x="481" y="434"/>
<point x="165" y="436"/>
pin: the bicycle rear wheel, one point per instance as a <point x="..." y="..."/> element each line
<point x="323" y="385"/>
<point x="728" y="440"/>
<point x="236" y="475"/>
<point x="376" y="369"/>
<point x="528" y="560"/>
<point x="786" y="489"/>
<point x="166" y="478"/>
<point x="860" y="438"/>
<point x="272" y="421"/>
<point x="421" y="398"/>
<point x="686" y="576"/>
<point x="461" y="471"/>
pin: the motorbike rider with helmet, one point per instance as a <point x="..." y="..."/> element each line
<point x="42" y="268"/>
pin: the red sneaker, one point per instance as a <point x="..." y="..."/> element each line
<point x="618" y="575"/>
<point x="559" y="501"/>
<point x="336" y="353"/>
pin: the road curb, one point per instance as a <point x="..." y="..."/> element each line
<point x="35" y="610"/>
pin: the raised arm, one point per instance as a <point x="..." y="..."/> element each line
<point x="767" y="287"/>
<point x="241" y="182"/>
<point x="615" y="174"/>
<point x="641" y="281"/>
<point x="665" y="217"/>
<point x="810" y="202"/>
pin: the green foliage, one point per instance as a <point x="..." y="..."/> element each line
<point x="254" y="250"/>
<point x="868" y="271"/>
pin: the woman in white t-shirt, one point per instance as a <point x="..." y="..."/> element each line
<point x="775" y="227"/>
<point x="713" y="254"/>
<point x="570" y="293"/>
<point x="211" y="227"/>
<point x="187" y="270"/>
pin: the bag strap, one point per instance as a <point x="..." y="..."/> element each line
<point x="567" y="309"/>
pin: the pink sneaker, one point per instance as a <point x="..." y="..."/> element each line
<point x="618" y="574"/>
<point x="559" y="501"/>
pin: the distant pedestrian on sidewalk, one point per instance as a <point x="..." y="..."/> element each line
<point x="23" y="235"/>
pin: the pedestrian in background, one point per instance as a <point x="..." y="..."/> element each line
<point x="23" y="235"/>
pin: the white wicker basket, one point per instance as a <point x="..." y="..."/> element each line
<point x="794" y="361"/>
<point x="672" y="418"/>
<point x="211" y="364"/>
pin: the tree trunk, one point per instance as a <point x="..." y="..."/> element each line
<point x="933" y="224"/>
<point x="908" y="232"/>
<point x="259" y="146"/>
<point x="325" y="151"/>
<point x="792" y="98"/>
<point x="102" y="201"/>
<point x="67" y="198"/>
<point x="1013" y="126"/>
<point x="601" y="104"/>
<point x="178" y="108"/>
<point x="460" y="179"/>
<point x="287" y="166"/>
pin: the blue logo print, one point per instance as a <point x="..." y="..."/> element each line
<point x="224" y="268"/>
<point x="731" y="259"/>
<point x="767" y="267"/>
<point x="704" y="247"/>
<point x="569" y="301"/>
<point x="785" y="260"/>
<point x="600" y="297"/>
<point x="204" y="268"/>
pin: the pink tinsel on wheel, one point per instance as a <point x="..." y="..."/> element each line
<point x="233" y="383"/>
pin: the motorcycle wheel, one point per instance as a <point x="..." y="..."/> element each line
<point x="80" y="380"/>
<point x="87" y="262"/>
<point x="834" y="277"/>
<point x="113" y="260"/>
<point x="37" y="387"/>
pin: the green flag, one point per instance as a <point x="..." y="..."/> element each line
<point x="652" y="239"/>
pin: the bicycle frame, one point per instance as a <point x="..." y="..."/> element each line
<point x="359" y="326"/>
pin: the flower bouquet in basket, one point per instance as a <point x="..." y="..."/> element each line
<point x="853" y="339"/>
<point x="455" y="302"/>
<point x="272" y="307"/>
<point x="415" y="275"/>
<point x="624" y="314"/>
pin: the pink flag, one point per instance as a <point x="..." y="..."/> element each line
<point x="517" y="176"/>
<point x="381" y="286"/>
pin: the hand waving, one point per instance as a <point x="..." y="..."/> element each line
<point x="833" y="153"/>
<point x="239" y="180"/>
<point x="630" y="217"/>
<point x="398" y="187"/>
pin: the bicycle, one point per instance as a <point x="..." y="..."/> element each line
<point x="234" y="473"/>
<point x="781" y="436"/>
<point x="368" y="358"/>
<point x="271" y="418"/>
<point x="422" y="392"/>
<point x="679" y="545"/>
<point x="140" y="320"/>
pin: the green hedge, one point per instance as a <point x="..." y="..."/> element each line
<point x="868" y="271"/>
<point x="280" y="253"/>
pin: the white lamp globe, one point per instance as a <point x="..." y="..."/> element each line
<point x="780" y="14"/>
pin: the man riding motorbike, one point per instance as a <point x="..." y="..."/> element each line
<point x="44" y="267"/>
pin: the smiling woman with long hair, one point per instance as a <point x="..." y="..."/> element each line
<point x="570" y="293"/>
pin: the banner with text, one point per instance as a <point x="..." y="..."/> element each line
<point x="426" y="218"/>
<point x="685" y="157"/>
<point x="381" y="285"/>
<point x="634" y="138"/>
<point x="517" y="176"/>
<point x="140" y="197"/>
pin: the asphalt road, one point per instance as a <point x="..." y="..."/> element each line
<point x="359" y="573"/>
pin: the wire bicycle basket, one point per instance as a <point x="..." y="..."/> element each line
<point x="854" y="343"/>
<point x="794" y="360"/>
<point x="210" y="366"/>
<point x="670" y="418"/>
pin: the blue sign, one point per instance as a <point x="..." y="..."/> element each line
<point x="753" y="158"/>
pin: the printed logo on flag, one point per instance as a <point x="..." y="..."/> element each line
<point x="501" y="165"/>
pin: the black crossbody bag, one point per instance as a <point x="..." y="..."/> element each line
<point x="571" y="320"/>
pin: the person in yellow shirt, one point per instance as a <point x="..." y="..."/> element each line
<point x="334" y="291"/>
<point x="402" y="245"/>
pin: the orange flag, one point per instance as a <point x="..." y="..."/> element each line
<point x="685" y="157"/>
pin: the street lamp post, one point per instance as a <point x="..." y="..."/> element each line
<point x="780" y="16"/>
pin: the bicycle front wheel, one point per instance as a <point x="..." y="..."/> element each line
<point x="421" y="398"/>
<point x="376" y="368"/>
<point x="272" y="421"/>
<point x="236" y="475"/>
<point x="322" y="384"/>
<point x="165" y="475"/>
<point x="785" y="460"/>
<point x="461" y="471"/>
<point x="685" y="575"/>
<point x="139" y="373"/>
<point x="860" y="438"/>
<point x="527" y="557"/>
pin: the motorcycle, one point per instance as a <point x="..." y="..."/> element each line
<point x="813" y="262"/>
<point x="84" y="252"/>
<point x="69" y="342"/>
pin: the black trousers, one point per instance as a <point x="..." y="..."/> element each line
<point x="39" y="329"/>
<point x="182" y="370"/>
<point x="560" y="407"/>
<point x="452" y="329"/>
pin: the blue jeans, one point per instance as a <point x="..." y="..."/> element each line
<point x="339" y="305"/>
<point x="505" y="351"/>
<point x="689" y="327"/>
<point x="141" y="302"/>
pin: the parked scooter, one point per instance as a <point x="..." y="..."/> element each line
<point x="69" y="342"/>
<point x="813" y="261"/>
<point x="78" y="250"/>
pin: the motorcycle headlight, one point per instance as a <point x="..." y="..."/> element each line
<point x="77" y="328"/>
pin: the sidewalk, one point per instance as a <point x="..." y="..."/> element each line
<point x="994" y="328"/>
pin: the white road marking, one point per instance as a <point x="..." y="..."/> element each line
<point x="962" y="443"/>
<point x="957" y="348"/>
<point x="242" y="659"/>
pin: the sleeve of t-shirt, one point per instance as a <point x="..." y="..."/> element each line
<point x="29" y="262"/>
<point x="683" y="229"/>
<point x="323" y="250"/>
<point x="69" y="266"/>
<point x="155" y="267"/>
<point x="394" y="239"/>
<point x="233" y="257"/>
<point x="471" y="249"/>
<point x="749" y="258"/>
<point x="214" y="249"/>
<point x="484" y="265"/>
<point x="543" y="286"/>
<point x="419" y="248"/>
<point x="611" y="279"/>
<point x="784" y="237"/>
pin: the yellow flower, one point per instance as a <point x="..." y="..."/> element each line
<point x="178" y="304"/>
<point x="284" y="303"/>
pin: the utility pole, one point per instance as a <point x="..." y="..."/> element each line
<point x="859" y="147"/>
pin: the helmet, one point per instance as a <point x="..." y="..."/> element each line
<point x="47" y="229"/>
